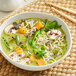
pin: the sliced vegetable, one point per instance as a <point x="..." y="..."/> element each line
<point x="52" y="24"/>
<point x="39" y="52"/>
<point x="32" y="45"/>
<point x="37" y="32"/>
<point x="38" y="25"/>
<point x="43" y="47"/>
<point x="22" y="31"/>
<point x="17" y="39"/>
<point x="32" y="58"/>
<point x="57" y="26"/>
<point x="43" y="26"/>
<point x="19" y="50"/>
<point x="30" y="42"/>
<point x="5" y="43"/>
<point x="35" y="35"/>
<point x="41" y="62"/>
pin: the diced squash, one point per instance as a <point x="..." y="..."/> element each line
<point x="41" y="62"/>
<point x="38" y="25"/>
<point x="32" y="58"/>
<point x="19" y="50"/>
<point x="25" y="52"/>
<point x="22" y="31"/>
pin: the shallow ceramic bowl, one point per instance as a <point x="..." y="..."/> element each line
<point x="42" y="16"/>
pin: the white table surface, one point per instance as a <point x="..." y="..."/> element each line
<point x="3" y="14"/>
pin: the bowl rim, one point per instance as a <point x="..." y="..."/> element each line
<point x="36" y="67"/>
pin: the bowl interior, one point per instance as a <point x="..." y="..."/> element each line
<point x="42" y="16"/>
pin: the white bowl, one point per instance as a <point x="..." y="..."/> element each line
<point x="42" y="16"/>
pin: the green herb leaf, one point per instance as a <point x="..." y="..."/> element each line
<point x="57" y="26"/>
<point x="43" y="47"/>
<point x="52" y="24"/>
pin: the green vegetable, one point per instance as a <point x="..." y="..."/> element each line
<point x="32" y="44"/>
<point x="39" y="52"/>
<point x="52" y="24"/>
<point x="44" y="26"/>
<point x="5" y="43"/>
<point x="46" y="30"/>
<point x="43" y="47"/>
<point x="37" y="32"/>
<point x="57" y="26"/>
<point x="22" y="46"/>
<point x="35" y="35"/>
<point x="17" y="39"/>
<point x="55" y="52"/>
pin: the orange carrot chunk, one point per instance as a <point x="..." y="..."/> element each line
<point x="38" y="25"/>
<point x="22" y="31"/>
<point x="32" y="58"/>
<point x="41" y="62"/>
<point x="19" y="50"/>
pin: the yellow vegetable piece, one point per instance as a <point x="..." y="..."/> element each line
<point x="38" y="25"/>
<point x="41" y="62"/>
<point x="19" y="50"/>
<point x="25" y="52"/>
<point x="32" y="58"/>
<point x="22" y="31"/>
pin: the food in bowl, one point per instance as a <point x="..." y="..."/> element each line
<point x="34" y="41"/>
